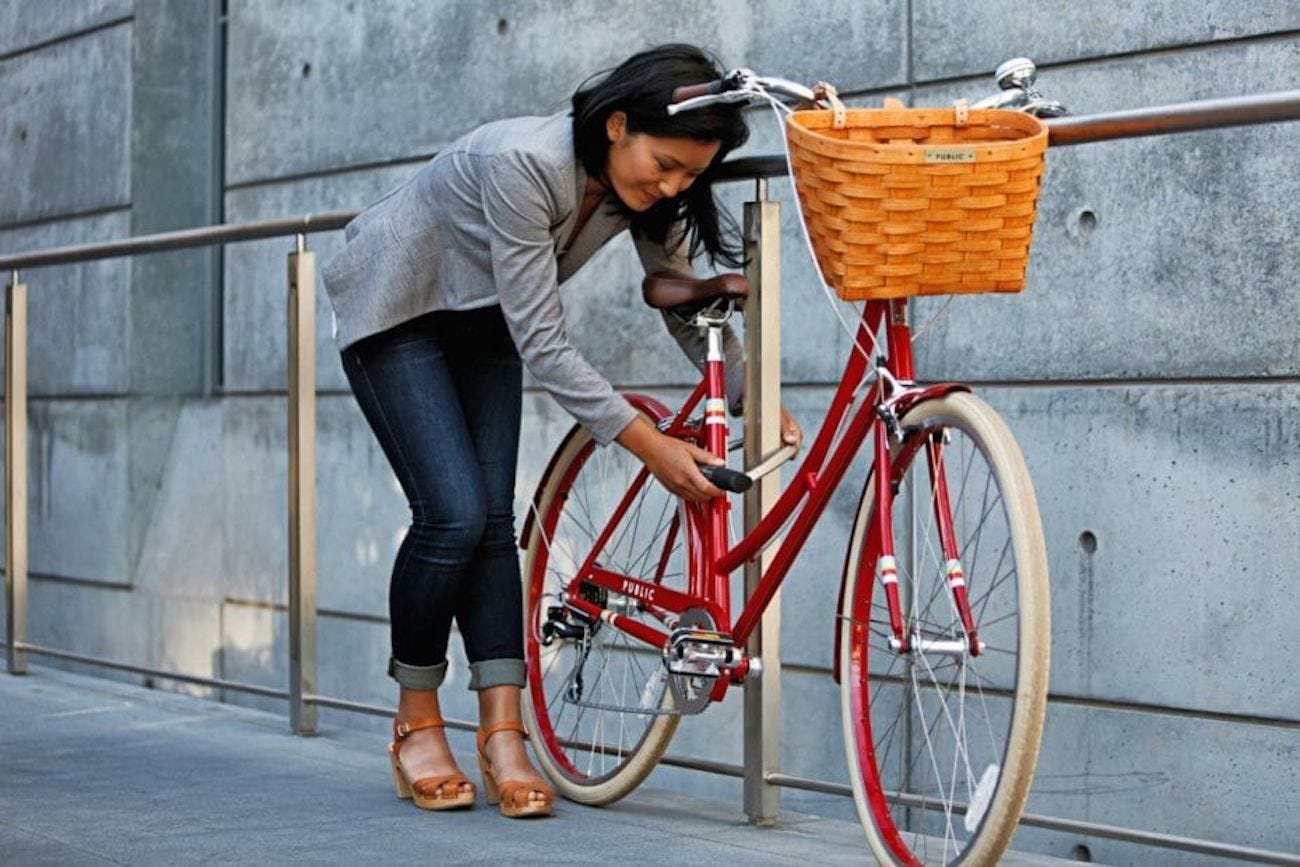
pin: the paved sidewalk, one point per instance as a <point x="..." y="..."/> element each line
<point x="98" y="772"/>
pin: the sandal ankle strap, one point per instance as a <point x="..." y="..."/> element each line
<point x="403" y="729"/>
<point x="486" y="732"/>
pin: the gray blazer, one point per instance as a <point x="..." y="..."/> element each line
<point x="483" y="223"/>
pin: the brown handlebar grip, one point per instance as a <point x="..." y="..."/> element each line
<point x="691" y="91"/>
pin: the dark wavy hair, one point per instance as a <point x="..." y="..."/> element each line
<point x="642" y="87"/>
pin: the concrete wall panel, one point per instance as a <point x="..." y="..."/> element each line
<point x="1186" y="269"/>
<point x="355" y="83"/>
<point x="77" y="323"/>
<point x="67" y="128"/>
<point x="253" y="650"/>
<point x="146" y="629"/>
<point x="26" y="24"/>
<point x="183" y="545"/>
<point x="1164" y="773"/>
<point x="254" y="499"/>
<point x="1161" y="476"/>
<point x="951" y="38"/>
<point x="107" y="623"/>
<point x="363" y="513"/>
<point x="77" y="482"/>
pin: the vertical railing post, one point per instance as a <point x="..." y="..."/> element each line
<point x="302" y="488"/>
<point x="763" y="437"/>
<point x="16" y="474"/>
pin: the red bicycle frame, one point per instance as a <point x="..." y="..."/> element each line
<point x="712" y="559"/>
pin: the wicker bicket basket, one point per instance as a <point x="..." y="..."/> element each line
<point x="901" y="201"/>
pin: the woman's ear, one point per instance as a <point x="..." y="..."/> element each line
<point x="616" y="125"/>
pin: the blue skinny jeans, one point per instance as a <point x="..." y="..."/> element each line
<point x="443" y="393"/>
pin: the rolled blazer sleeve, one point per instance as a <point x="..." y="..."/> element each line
<point x="518" y="212"/>
<point x="672" y="257"/>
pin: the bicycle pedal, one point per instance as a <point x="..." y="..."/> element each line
<point x="693" y="635"/>
<point x="702" y="652"/>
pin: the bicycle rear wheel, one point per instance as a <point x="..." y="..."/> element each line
<point x="599" y="711"/>
<point x="941" y="744"/>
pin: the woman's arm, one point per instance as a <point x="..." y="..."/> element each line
<point x="518" y="214"/>
<point x="672" y="461"/>
<point x="523" y="264"/>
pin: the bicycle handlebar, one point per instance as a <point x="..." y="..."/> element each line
<point x="1015" y="80"/>
<point x="738" y="85"/>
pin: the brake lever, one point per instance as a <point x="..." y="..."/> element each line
<point x="711" y="99"/>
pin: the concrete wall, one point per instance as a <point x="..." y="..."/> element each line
<point x="1151" y="371"/>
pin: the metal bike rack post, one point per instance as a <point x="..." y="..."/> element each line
<point x="302" y="488"/>
<point x="16" y="474"/>
<point x="763" y="437"/>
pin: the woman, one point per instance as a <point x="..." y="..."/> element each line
<point x="445" y="288"/>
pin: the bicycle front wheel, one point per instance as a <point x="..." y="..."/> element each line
<point x="942" y="742"/>
<point x="599" y="710"/>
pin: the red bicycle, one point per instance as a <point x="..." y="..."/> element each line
<point x="942" y="634"/>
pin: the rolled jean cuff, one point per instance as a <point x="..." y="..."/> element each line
<point x="496" y="672"/>
<point x="417" y="676"/>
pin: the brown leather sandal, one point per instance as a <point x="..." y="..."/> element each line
<point x="429" y="793"/>
<point x="512" y="795"/>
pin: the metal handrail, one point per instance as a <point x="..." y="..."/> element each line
<point x="1163" y="120"/>
<point x="1179" y="117"/>
<point x="180" y="239"/>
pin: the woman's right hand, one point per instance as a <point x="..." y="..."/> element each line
<point x="672" y="461"/>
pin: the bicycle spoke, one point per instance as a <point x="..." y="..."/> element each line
<point x="637" y="564"/>
<point x="988" y="714"/>
<point x="947" y="809"/>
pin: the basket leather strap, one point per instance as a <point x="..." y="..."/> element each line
<point x="961" y="112"/>
<point x="840" y="116"/>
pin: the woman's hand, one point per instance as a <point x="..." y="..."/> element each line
<point x="672" y="461"/>
<point x="791" y="433"/>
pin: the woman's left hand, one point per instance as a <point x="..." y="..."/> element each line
<point x="791" y="433"/>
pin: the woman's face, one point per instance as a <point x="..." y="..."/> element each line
<point x="643" y="168"/>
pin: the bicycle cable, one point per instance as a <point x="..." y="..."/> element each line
<point x="777" y="108"/>
<point x="943" y="308"/>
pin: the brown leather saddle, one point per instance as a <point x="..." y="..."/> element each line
<point x="667" y="290"/>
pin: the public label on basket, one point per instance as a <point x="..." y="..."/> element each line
<point x="950" y="155"/>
